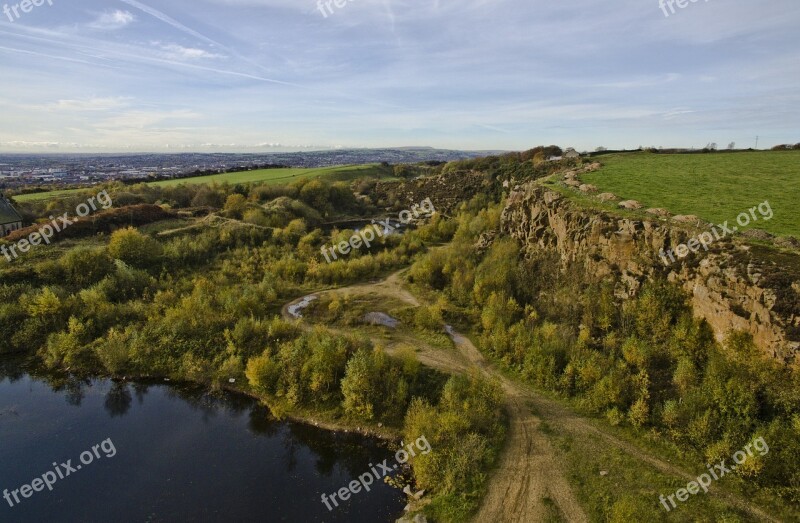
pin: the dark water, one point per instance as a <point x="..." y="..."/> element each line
<point x="182" y="454"/>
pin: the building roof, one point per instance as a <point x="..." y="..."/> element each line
<point x="8" y="214"/>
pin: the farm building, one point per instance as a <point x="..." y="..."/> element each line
<point x="10" y="220"/>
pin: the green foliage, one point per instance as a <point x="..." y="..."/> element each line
<point x="465" y="431"/>
<point x="67" y="349"/>
<point x="134" y="248"/>
<point x="646" y="362"/>
<point x="495" y="274"/>
<point x="359" y="384"/>
<point x="629" y="508"/>
<point x="235" y="205"/>
<point x="113" y="351"/>
<point x="84" y="266"/>
<point x="262" y="373"/>
<point x="374" y="386"/>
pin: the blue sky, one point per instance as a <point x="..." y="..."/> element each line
<point x="260" y="75"/>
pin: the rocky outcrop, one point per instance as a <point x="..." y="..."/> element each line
<point x="446" y="191"/>
<point x="732" y="285"/>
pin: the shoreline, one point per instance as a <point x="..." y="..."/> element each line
<point x="29" y="365"/>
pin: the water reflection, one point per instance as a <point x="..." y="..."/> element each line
<point x="184" y="453"/>
<point x="118" y="400"/>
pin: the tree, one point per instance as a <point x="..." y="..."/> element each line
<point x="84" y="266"/>
<point x="262" y="373"/>
<point x="44" y="304"/>
<point x="114" y="351"/>
<point x="357" y="385"/>
<point x="207" y="197"/>
<point x="66" y="349"/>
<point x="236" y="205"/>
<point x="325" y="367"/>
<point x="134" y="248"/>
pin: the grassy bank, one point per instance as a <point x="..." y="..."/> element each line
<point x="715" y="187"/>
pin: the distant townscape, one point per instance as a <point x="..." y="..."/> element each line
<point x="20" y="170"/>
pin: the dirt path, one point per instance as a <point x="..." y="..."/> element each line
<point x="558" y="416"/>
<point x="528" y="474"/>
<point x="528" y="477"/>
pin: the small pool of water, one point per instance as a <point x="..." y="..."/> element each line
<point x="296" y="308"/>
<point x="180" y="454"/>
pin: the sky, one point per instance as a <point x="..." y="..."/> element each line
<point x="262" y="75"/>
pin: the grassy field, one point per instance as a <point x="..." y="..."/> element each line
<point x="715" y="187"/>
<point x="269" y="176"/>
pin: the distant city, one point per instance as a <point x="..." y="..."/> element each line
<point x="30" y="170"/>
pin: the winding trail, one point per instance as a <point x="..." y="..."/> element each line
<point x="528" y="479"/>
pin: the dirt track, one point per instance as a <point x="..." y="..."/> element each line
<point x="528" y="474"/>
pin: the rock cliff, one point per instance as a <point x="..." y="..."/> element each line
<point x="733" y="285"/>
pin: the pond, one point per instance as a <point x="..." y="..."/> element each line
<point x="162" y="452"/>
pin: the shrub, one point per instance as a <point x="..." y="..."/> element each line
<point x="134" y="248"/>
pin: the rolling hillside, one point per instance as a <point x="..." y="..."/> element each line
<point x="270" y="176"/>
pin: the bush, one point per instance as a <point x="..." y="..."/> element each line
<point x="134" y="248"/>
<point x="84" y="266"/>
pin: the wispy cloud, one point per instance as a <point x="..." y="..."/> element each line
<point x="179" y="52"/>
<point x="483" y="74"/>
<point x="90" y="104"/>
<point x="155" y="13"/>
<point x="112" y="20"/>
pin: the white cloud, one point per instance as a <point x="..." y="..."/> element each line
<point x="112" y="20"/>
<point x="179" y="52"/>
<point x="90" y="104"/>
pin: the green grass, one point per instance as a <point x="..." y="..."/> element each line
<point x="715" y="187"/>
<point x="44" y="195"/>
<point x="280" y="176"/>
<point x="630" y="491"/>
<point x="268" y="176"/>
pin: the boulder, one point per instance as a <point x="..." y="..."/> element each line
<point x="607" y="197"/>
<point x="659" y="212"/>
<point x="630" y="204"/>
<point x="689" y="219"/>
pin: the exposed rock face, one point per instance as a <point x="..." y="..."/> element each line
<point x="732" y="286"/>
<point x="446" y="191"/>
